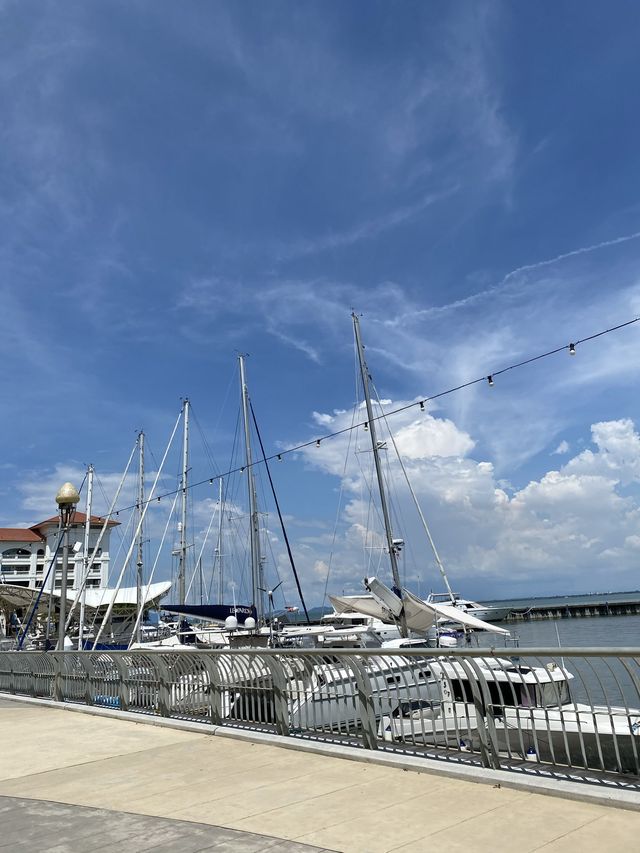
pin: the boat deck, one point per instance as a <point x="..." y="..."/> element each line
<point x="161" y="789"/>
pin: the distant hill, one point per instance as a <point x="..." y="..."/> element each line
<point x="315" y="614"/>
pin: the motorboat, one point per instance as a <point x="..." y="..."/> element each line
<point x="485" y="612"/>
<point x="528" y="709"/>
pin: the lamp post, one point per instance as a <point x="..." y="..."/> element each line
<point x="67" y="499"/>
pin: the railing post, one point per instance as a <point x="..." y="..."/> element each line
<point x="57" y="675"/>
<point x="32" y="674"/>
<point x="12" y="679"/>
<point x="215" y="687"/>
<point x="280" y="702"/>
<point x="164" y="691"/>
<point x="365" y="703"/>
<point x="123" y="687"/>
<point x="487" y="734"/>
<point x="85" y="660"/>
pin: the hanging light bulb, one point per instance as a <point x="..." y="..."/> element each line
<point x="490" y="381"/>
<point x="572" y="349"/>
<point x="366" y="426"/>
<point x="422" y="405"/>
<point x="279" y="457"/>
<point x="317" y="442"/>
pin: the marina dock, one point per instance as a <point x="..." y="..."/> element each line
<point x="569" y="606"/>
<point x="76" y="781"/>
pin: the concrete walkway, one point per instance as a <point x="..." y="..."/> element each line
<point x="114" y="765"/>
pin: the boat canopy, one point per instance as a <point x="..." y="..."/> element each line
<point x="96" y="599"/>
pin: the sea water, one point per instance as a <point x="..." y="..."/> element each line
<point x="575" y="631"/>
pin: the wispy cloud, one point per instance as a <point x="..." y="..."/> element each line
<point x="365" y="230"/>
<point x="473" y="298"/>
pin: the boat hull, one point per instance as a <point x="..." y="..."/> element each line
<point x="597" y="738"/>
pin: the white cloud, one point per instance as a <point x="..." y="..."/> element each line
<point x="561" y="449"/>
<point x="573" y="528"/>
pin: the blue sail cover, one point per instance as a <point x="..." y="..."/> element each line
<point x="216" y="612"/>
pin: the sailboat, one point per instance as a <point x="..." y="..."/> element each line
<point x="397" y="605"/>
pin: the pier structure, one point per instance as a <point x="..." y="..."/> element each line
<point x="574" y="606"/>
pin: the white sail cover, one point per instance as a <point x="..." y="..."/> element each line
<point x="365" y="604"/>
<point x="419" y="615"/>
<point x="418" y="619"/>
<point x="450" y="613"/>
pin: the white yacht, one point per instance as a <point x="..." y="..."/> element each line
<point x="530" y="709"/>
<point x="486" y="612"/>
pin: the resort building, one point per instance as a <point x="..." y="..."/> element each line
<point x="26" y="554"/>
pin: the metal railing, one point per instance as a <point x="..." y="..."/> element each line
<point x="569" y="708"/>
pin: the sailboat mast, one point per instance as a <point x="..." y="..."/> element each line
<point x="139" y="561"/>
<point x="393" y="556"/>
<point x="257" y="583"/>
<point x="219" y="547"/>
<point x="182" y="564"/>
<point x="85" y="557"/>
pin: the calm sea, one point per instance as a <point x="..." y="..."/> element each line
<point x="579" y="631"/>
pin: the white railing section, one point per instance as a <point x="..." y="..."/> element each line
<point x="569" y="708"/>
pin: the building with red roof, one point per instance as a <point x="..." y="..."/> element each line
<point x="26" y="553"/>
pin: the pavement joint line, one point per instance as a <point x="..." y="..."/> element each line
<point x="564" y="789"/>
<point x="566" y="834"/>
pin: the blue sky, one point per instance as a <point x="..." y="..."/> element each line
<point x="181" y="182"/>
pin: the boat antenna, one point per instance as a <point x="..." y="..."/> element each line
<point x="391" y="544"/>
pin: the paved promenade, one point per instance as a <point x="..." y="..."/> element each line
<point x="77" y="782"/>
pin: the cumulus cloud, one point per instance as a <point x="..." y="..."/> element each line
<point x="572" y="528"/>
<point x="562" y="448"/>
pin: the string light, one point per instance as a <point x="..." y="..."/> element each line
<point x="317" y="442"/>
<point x="490" y="379"/>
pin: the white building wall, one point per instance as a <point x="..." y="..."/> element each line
<point x="30" y="569"/>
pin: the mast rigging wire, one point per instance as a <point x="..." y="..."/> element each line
<point x="314" y="441"/>
<point x="277" y="503"/>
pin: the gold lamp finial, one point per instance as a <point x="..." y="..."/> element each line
<point x="67" y="496"/>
